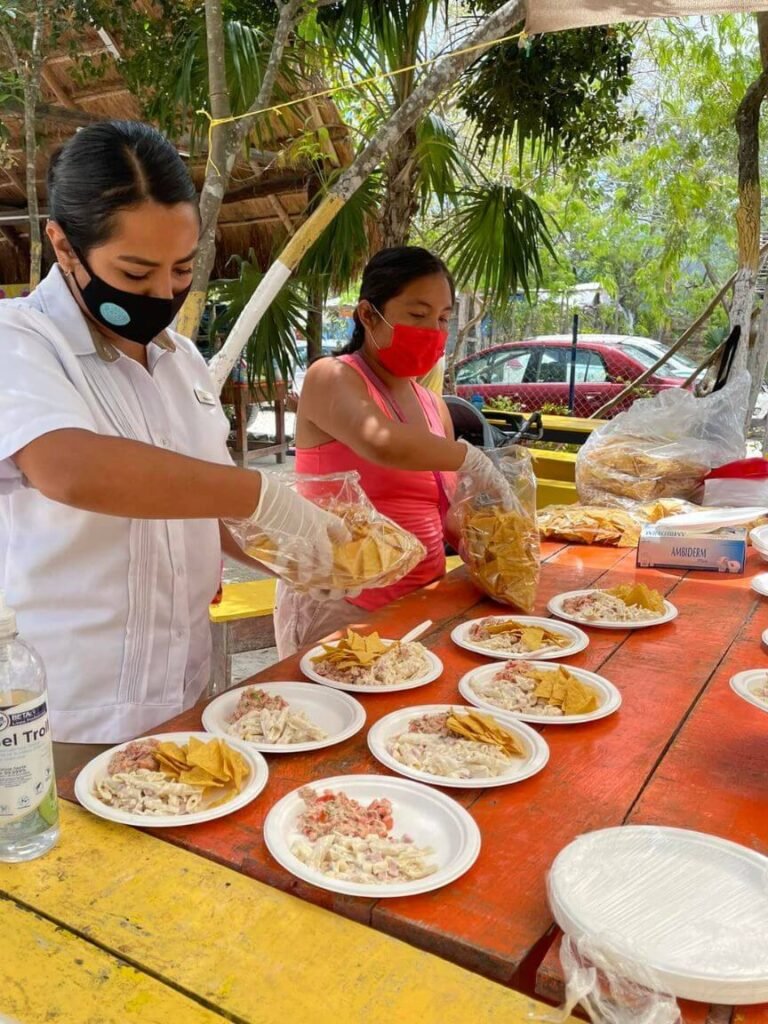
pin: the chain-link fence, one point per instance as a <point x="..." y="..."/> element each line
<point x="550" y="375"/>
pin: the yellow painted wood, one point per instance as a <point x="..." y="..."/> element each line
<point x="259" y="954"/>
<point x="454" y="562"/>
<point x="252" y="599"/>
<point x="49" y="974"/>
<point x="555" y="492"/>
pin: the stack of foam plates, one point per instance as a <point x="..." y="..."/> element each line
<point x="759" y="539"/>
<point x="685" y="909"/>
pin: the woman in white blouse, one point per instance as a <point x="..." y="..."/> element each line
<point x="114" y="472"/>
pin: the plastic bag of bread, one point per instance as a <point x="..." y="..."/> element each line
<point x="500" y="543"/>
<point x="376" y="553"/>
<point x="662" y="447"/>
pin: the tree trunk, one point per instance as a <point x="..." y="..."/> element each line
<point x="217" y="171"/>
<point x="226" y="140"/>
<point x="748" y="212"/>
<point x="469" y="318"/>
<point x="31" y="84"/>
<point x="401" y="199"/>
<point x="445" y="74"/>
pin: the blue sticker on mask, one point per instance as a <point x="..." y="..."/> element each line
<point x="114" y="314"/>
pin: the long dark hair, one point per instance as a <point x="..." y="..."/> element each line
<point x="107" y="167"/>
<point x="387" y="274"/>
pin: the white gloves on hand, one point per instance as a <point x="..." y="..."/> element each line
<point x="484" y="477"/>
<point x="303" y="535"/>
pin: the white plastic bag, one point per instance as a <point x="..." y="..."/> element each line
<point x="663" y="447"/>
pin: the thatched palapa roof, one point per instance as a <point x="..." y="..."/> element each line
<point x="266" y="197"/>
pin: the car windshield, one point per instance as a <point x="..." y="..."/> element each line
<point x="647" y="355"/>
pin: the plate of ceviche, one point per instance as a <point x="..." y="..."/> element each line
<point x="752" y="686"/>
<point x="541" y="692"/>
<point x="519" y="636"/>
<point x="370" y="664"/>
<point x="629" y="606"/>
<point x="171" y="779"/>
<point x="372" y="835"/>
<point x="284" y="718"/>
<point x="456" y="746"/>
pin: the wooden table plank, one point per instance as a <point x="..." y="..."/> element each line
<point x="231" y="943"/>
<point x="47" y="973"/>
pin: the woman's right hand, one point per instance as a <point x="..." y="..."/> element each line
<point x="302" y="534"/>
<point x="484" y="477"/>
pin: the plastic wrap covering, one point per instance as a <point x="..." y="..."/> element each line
<point x="663" y="447"/>
<point x="610" y="527"/>
<point x="375" y="553"/>
<point x="500" y="542"/>
<point x="651" y="914"/>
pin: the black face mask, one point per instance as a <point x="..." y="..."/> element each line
<point x="134" y="317"/>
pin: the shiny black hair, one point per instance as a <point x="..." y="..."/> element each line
<point x="107" y="167"/>
<point x="387" y="274"/>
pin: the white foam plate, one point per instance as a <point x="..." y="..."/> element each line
<point x="759" y="540"/>
<point x="610" y="698"/>
<point x="537" y="751"/>
<point x="334" y="712"/>
<point x="759" y="583"/>
<point x="435" y="671"/>
<point x="745" y="683"/>
<point x="429" y="817"/>
<point x="556" y="607"/>
<point x="689" y="907"/>
<point x="710" y="519"/>
<point x="578" y="639"/>
<point x="96" y="770"/>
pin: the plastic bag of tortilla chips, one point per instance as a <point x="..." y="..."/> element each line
<point x="500" y="545"/>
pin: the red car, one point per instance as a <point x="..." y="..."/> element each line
<point x="536" y="372"/>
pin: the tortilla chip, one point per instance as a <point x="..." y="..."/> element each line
<point x="354" y="649"/>
<point x="640" y="596"/>
<point x="560" y="688"/>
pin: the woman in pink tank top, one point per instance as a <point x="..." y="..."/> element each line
<point x="364" y="410"/>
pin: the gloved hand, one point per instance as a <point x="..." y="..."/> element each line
<point x="485" y="478"/>
<point x="302" y="534"/>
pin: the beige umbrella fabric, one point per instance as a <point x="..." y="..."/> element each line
<point x="556" y="15"/>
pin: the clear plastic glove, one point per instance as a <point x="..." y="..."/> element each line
<point x="485" y="478"/>
<point x="302" y="534"/>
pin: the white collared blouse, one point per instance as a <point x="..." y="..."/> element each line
<point x="118" y="608"/>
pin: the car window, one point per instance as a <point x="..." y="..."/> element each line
<point x="594" y="369"/>
<point x="676" y="366"/>
<point x="552" y="367"/>
<point x="477" y="370"/>
<point x="510" y="367"/>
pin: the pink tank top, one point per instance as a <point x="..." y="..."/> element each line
<point x="412" y="499"/>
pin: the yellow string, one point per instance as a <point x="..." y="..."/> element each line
<point x="214" y="122"/>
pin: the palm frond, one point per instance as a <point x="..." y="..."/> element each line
<point x="271" y="350"/>
<point x="493" y="240"/>
<point x="337" y="256"/>
<point x="443" y="167"/>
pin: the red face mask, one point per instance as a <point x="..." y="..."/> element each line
<point x="414" y="350"/>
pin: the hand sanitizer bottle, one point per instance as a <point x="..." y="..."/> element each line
<point x="29" y="814"/>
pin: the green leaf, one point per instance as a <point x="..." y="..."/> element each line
<point x="492" y="242"/>
<point x="271" y="350"/>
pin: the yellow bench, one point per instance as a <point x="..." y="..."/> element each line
<point x="242" y="621"/>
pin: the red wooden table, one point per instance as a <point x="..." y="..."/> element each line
<point x="682" y="750"/>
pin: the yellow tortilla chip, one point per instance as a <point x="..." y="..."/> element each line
<point x="559" y="688"/>
<point x="640" y="596"/>
<point x="353" y="649"/>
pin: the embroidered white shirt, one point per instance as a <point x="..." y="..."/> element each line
<point x="118" y="608"/>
